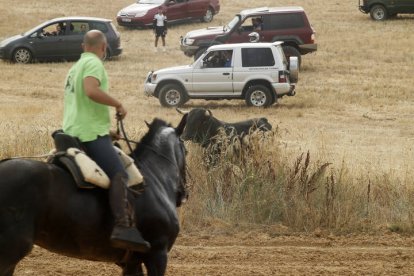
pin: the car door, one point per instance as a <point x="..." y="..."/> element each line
<point x="47" y="43"/>
<point x="74" y="37"/>
<point x="177" y="10"/>
<point x="197" y="8"/>
<point x="404" y="6"/>
<point x="211" y="77"/>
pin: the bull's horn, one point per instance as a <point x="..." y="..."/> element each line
<point x="209" y="113"/>
<point x="181" y="111"/>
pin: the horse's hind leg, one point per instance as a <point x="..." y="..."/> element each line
<point x="16" y="239"/>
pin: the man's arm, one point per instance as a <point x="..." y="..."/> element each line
<point x="92" y="90"/>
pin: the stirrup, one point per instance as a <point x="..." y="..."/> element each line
<point x="129" y="238"/>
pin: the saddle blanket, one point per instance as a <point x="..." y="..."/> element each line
<point x="90" y="172"/>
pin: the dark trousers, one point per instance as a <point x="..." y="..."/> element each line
<point x="103" y="153"/>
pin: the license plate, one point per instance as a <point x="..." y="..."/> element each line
<point x="126" y="19"/>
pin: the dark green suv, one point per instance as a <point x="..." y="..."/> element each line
<point x="383" y="9"/>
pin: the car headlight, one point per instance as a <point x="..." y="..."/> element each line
<point x="153" y="77"/>
<point x="141" y="13"/>
<point x="189" y="41"/>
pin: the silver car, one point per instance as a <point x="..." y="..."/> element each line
<point x="256" y="72"/>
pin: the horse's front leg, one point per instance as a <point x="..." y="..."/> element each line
<point x="131" y="264"/>
<point x="156" y="262"/>
<point x="132" y="269"/>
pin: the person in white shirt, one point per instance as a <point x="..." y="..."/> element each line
<point x="160" y="27"/>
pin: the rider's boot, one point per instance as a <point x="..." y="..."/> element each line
<point x="125" y="234"/>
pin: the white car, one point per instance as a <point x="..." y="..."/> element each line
<point x="256" y="72"/>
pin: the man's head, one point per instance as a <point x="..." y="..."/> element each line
<point x="94" y="41"/>
<point x="83" y="28"/>
<point x="160" y="10"/>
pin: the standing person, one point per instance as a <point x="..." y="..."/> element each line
<point x="86" y="116"/>
<point x="160" y="27"/>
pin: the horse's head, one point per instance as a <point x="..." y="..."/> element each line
<point x="163" y="145"/>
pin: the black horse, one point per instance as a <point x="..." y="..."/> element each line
<point x="40" y="204"/>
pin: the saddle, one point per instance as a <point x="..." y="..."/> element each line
<point x="70" y="155"/>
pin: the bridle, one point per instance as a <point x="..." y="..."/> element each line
<point x="182" y="172"/>
<point x="120" y="128"/>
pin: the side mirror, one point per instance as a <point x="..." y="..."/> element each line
<point x="171" y="2"/>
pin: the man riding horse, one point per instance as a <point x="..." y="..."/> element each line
<point x="86" y="116"/>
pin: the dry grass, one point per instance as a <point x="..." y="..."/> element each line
<point x="353" y="107"/>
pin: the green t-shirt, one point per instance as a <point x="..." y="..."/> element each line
<point x="82" y="117"/>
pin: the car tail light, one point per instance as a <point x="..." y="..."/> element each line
<point x="282" y="77"/>
<point x="154" y="77"/>
<point x="313" y="38"/>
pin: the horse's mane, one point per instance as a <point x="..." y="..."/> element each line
<point x="150" y="135"/>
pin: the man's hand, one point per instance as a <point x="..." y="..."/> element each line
<point x="114" y="135"/>
<point x="120" y="112"/>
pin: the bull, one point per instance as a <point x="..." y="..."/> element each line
<point x="203" y="128"/>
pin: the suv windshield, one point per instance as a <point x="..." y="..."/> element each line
<point x="232" y="23"/>
<point x="150" y="1"/>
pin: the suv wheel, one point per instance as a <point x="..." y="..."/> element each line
<point x="208" y="16"/>
<point x="22" y="55"/>
<point x="291" y="51"/>
<point x="172" y="95"/>
<point x="378" y="12"/>
<point x="259" y="96"/>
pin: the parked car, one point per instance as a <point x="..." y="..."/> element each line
<point x="287" y="24"/>
<point x="383" y="9"/>
<point x="141" y="14"/>
<point x="256" y="72"/>
<point x="59" y="38"/>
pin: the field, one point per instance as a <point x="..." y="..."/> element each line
<point x="353" y="109"/>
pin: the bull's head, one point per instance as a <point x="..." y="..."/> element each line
<point x="263" y="125"/>
<point x="198" y="128"/>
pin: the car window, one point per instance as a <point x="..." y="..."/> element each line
<point x="256" y="57"/>
<point x="98" y="26"/>
<point x="252" y="24"/>
<point x="283" y="21"/>
<point x="79" y="27"/>
<point x="218" y="59"/>
<point x="55" y="29"/>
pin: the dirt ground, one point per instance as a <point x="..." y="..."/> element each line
<point x="257" y="253"/>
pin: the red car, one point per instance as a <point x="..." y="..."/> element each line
<point x="141" y="14"/>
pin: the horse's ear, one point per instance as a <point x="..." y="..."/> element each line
<point x="180" y="128"/>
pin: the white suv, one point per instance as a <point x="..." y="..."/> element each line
<point x="256" y="72"/>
